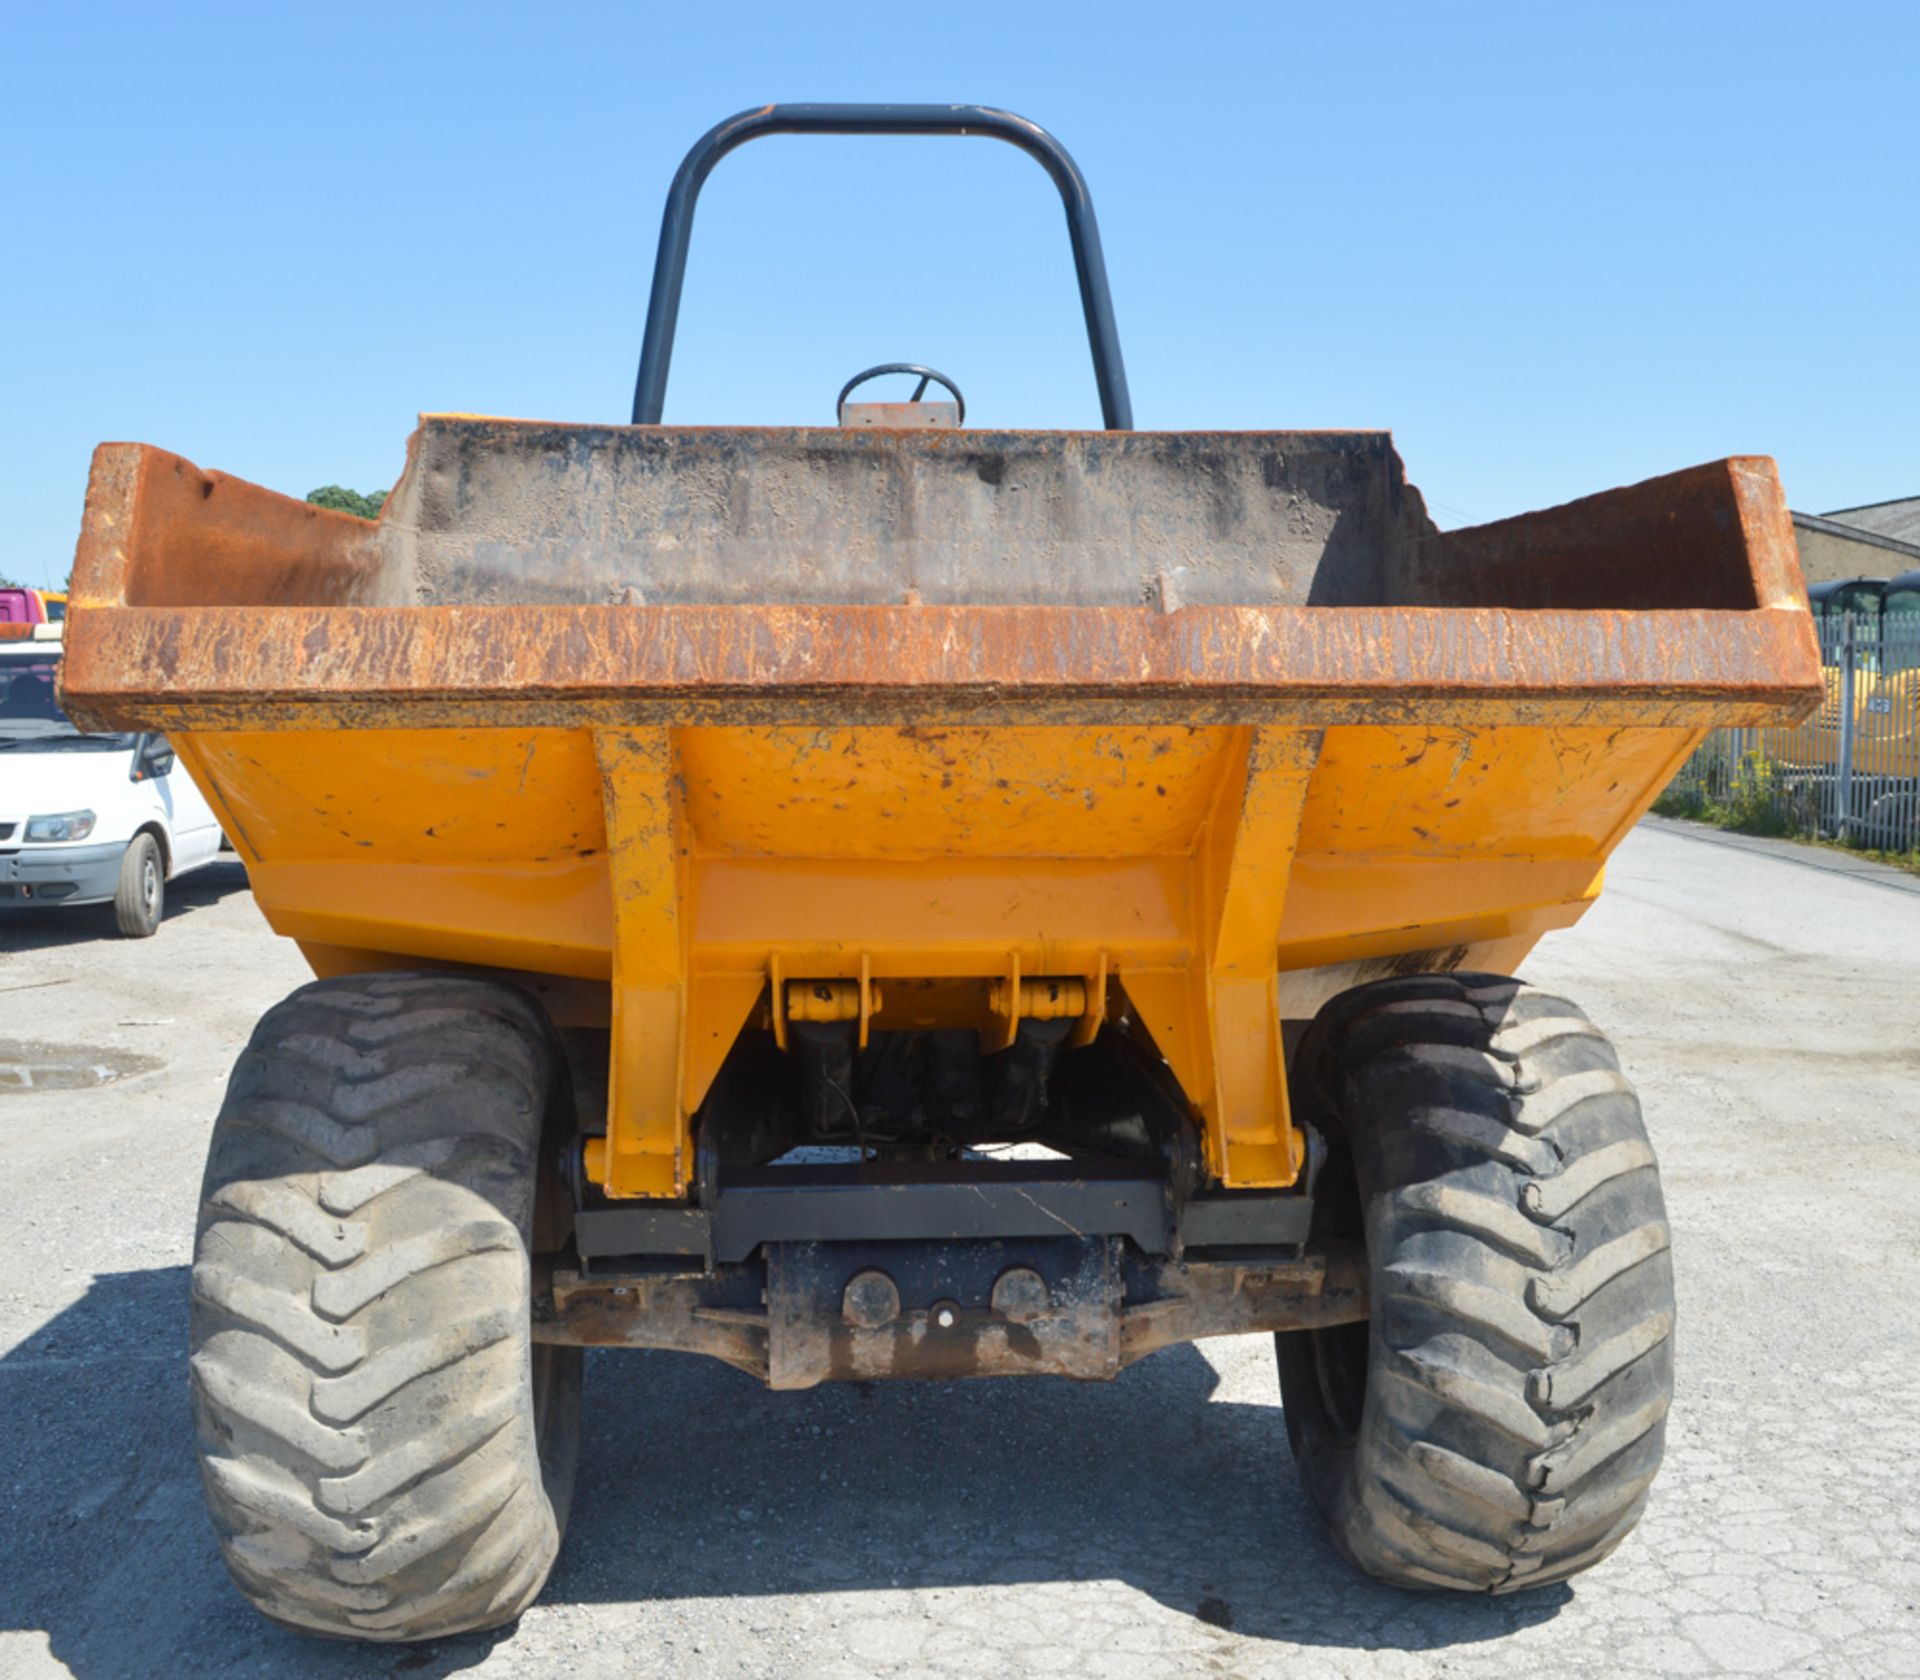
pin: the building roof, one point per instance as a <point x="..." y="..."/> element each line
<point x="1827" y="525"/>
<point x="1899" y="519"/>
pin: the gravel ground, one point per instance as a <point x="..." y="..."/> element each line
<point x="1766" y="997"/>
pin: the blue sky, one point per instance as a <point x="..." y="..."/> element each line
<point x="1553" y="248"/>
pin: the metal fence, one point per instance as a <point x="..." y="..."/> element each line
<point x="1851" y="772"/>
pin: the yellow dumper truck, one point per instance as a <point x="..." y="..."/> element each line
<point x="717" y="847"/>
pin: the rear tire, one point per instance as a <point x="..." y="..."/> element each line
<point x="1497" y="1424"/>
<point x="386" y="1453"/>
<point x="140" y="899"/>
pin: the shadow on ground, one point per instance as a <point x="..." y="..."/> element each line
<point x="48" y="927"/>
<point x="697" y="1483"/>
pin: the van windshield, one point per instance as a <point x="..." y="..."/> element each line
<point x="30" y="712"/>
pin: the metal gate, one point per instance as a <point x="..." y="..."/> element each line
<point x="1851" y="772"/>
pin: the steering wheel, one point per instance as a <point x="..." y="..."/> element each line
<point x="926" y="375"/>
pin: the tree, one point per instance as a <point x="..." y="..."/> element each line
<point x="342" y="500"/>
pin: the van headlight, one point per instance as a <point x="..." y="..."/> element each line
<point x="66" y="825"/>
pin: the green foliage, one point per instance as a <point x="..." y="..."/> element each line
<point x="1756" y="803"/>
<point x="1758" y="799"/>
<point x="1755" y="799"/>
<point x="343" y="500"/>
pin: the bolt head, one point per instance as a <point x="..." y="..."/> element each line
<point x="944" y="1315"/>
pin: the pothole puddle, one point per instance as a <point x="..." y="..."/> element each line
<point x="27" y="1067"/>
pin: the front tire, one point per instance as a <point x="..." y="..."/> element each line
<point x="386" y="1453"/>
<point x="1498" y="1422"/>
<point x="140" y="899"/>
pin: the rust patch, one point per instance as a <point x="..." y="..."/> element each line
<point x="420" y="667"/>
<point x="1086" y="1333"/>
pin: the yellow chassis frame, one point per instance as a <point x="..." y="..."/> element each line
<point x="669" y="882"/>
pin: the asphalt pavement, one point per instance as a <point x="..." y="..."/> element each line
<point x="1766" y="998"/>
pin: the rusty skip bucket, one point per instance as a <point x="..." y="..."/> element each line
<point x="779" y="691"/>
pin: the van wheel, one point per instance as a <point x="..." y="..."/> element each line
<point x="141" y="897"/>
<point x="386" y="1452"/>
<point x="1893" y="822"/>
<point x="1498" y="1422"/>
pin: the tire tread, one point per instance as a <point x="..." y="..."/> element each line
<point x="1521" y="1357"/>
<point x="361" y="1340"/>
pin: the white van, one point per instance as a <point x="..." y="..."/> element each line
<point x="88" y="819"/>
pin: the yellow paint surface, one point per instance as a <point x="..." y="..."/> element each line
<point x="675" y="869"/>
